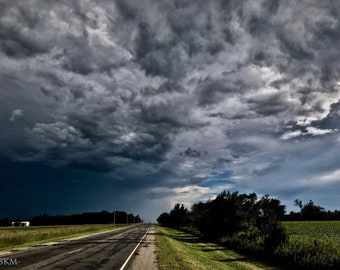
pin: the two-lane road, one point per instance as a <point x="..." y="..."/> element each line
<point x="104" y="251"/>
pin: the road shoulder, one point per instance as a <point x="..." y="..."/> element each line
<point x="145" y="256"/>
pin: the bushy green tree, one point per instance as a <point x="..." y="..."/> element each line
<point x="164" y="220"/>
<point x="270" y="212"/>
<point x="179" y="216"/>
<point x="240" y="217"/>
<point x="310" y="211"/>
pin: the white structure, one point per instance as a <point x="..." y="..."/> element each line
<point x="24" y="223"/>
<point x="20" y="224"/>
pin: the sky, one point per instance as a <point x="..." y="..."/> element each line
<point x="138" y="105"/>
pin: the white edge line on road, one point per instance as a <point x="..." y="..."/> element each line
<point x="74" y="251"/>
<point x="133" y="251"/>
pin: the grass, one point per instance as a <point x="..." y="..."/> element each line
<point x="21" y="237"/>
<point x="177" y="250"/>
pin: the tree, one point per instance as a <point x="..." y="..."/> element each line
<point x="268" y="221"/>
<point x="5" y="222"/>
<point x="298" y="203"/>
<point x="179" y="216"/>
<point x="164" y="219"/>
<point x="199" y="216"/>
<point x="242" y="218"/>
<point x="138" y="219"/>
<point x="310" y="211"/>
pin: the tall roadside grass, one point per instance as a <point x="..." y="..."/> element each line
<point x="16" y="237"/>
<point x="311" y="245"/>
<point x="305" y="253"/>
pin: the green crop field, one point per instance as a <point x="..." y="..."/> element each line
<point x="18" y="237"/>
<point x="312" y="244"/>
<point x="314" y="230"/>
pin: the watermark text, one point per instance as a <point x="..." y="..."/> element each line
<point x="8" y="261"/>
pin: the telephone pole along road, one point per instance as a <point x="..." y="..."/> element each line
<point x="109" y="250"/>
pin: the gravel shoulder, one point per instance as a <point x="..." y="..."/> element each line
<point x="145" y="256"/>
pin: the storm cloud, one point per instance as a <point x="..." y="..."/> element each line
<point x="154" y="98"/>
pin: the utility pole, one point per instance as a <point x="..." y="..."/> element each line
<point x="114" y="218"/>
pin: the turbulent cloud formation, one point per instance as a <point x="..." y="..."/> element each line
<point x="16" y="114"/>
<point x="171" y="99"/>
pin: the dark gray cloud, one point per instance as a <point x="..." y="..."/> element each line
<point x="157" y="97"/>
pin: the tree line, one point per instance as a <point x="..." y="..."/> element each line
<point x="103" y="217"/>
<point x="4" y="222"/>
<point x="243" y="220"/>
<point x="310" y="211"/>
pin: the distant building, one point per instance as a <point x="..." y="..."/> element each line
<point x="20" y="223"/>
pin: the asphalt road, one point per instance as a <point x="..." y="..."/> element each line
<point x="103" y="251"/>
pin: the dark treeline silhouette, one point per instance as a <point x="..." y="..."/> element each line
<point x="310" y="211"/>
<point x="242" y="220"/>
<point x="253" y="225"/>
<point x="4" y="222"/>
<point x="104" y="217"/>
